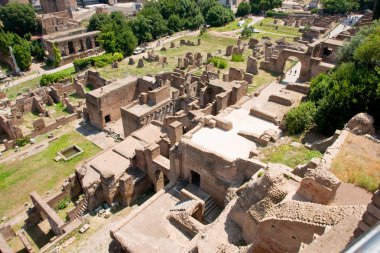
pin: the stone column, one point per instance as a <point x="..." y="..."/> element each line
<point x="84" y="44"/>
<point x="92" y="42"/>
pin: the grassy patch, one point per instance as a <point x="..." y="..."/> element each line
<point x="289" y="155"/>
<point x="16" y="90"/>
<point x="268" y="26"/>
<point x="39" y="172"/>
<point x="237" y="58"/>
<point x="358" y="162"/>
<point x="231" y="26"/>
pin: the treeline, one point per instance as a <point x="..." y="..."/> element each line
<point x="352" y="87"/>
<point x="257" y="6"/>
<point x="155" y="20"/>
<point x="19" y="22"/>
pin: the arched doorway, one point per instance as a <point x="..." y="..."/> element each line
<point x="291" y="70"/>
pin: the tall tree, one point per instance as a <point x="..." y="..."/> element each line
<point x="19" y="18"/>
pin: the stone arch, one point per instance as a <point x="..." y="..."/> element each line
<point x="303" y="58"/>
<point x="294" y="74"/>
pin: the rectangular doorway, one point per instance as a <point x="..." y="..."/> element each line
<point x="107" y="118"/>
<point x="195" y="178"/>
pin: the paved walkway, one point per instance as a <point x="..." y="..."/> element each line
<point x="345" y="25"/>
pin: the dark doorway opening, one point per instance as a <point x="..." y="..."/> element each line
<point x="195" y="178"/>
<point x="107" y="118"/>
<point x="71" y="47"/>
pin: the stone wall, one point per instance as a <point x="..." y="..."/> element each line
<point x="216" y="172"/>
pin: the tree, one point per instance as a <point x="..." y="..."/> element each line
<point x="218" y="16"/>
<point x="174" y="23"/>
<point x="353" y="87"/>
<point x="206" y="5"/>
<point x="141" y="28"/>
<point x="189" y="12"/>
<point x="22" y="55"/>
<point x="244" y="8"/>
<point x="97" y="21"/>
<point x="19" y="18"/>
<point x="339" y="6"/>
<point x="21" y="48"/>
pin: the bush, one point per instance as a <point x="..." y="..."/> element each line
<point x="237" y="58"/>
<point x="300" y="118"/>
<point x="315" y="11"/>
<point x="100" y="61"/>
<point x="48" y="79"/>
<point x="63" y="203"/>
<point x="247" y="31"/>
<point x="22" y="141"/>
<point x="275" y="14"/>
<point x="218" y="62"/>
<point x="244" y="8"/>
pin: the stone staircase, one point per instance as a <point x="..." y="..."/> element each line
<point x="211" y="209"/>
<point x="81" y="209"/>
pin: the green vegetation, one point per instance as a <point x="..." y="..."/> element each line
<point x="246" y="32"/>
<point x="289" y="155"/>
<point x="48" y="79"/>
<point x="20" y="46"/>
<point x="39" y="172"/>
<point x="275" y="14"/>
<point x="300" y="118"/>
<point x="63" y="203"/>
<point x="267" y="25"/>
<point x="244" y="8"/>
<point x="339" y="6"/>
<point x="19" y="18"/>
<point x="117" y="36"/>
<point x="353" y="87"/>
<point x="237" y="58"/>
<point x="218" y="16"/>
<point x="16" y="90"/>
<point x="218" y="62"/>
<point x="259" y="6"/>
<point x="97" y="61"/>
<point x="57" y="56"/>
<point x="231" y="26"/>
<point x="22" y="141"/>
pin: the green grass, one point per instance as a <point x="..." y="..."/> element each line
<point x="268" y="26"/>
<point x="231" y="26"/>
<point x="289" y="155"/>
<point x="16" y="90"/>
<point x="39" y="172"/>
<point x="34" y="83"/>
<point x="209" y="44"/>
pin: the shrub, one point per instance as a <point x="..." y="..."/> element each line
<point x="275" y="14"/>
<point x="237" y="58"/>
<point x="247" y="31"/>
<point x="315" y="11"/>
<point x="22" y="141"/>
<point x="97" y="61"/>
<point x="63" y="203"/>
<point x="300" y="118"/>
<point x="48" y="79"/>
<point x="218" y="62"/>
<point x="57" y="56"/>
